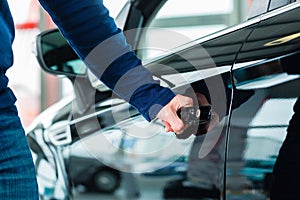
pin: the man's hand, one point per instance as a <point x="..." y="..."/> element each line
<point x="168" y="114"/>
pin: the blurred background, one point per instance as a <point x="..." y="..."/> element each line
<point x="27" y="80"/>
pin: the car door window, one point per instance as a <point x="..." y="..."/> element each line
<point x="178" y="22"/>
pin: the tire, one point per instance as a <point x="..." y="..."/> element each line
<point x="106" y="180"/>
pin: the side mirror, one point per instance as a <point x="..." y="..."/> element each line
<point x="56" y="56"/>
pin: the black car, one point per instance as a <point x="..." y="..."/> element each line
<point x="240" y="67"/>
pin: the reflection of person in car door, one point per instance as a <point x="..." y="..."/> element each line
<point x="286" y="173"/>
<point x="85" y="24"/>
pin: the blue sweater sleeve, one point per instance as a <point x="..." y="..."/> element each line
<point x="94" y="36"/>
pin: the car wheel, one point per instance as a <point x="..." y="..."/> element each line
<point x="106" y="180"/>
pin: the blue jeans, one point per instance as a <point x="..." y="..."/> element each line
<point x="17" y="171"/>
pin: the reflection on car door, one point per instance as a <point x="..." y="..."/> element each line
<point x="206" y="65"/>
<point x="204" y="69"/>
<point x="259" y="126"/>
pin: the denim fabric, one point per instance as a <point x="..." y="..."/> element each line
<point x="17" y="172"/>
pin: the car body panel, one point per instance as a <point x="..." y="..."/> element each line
<point x="258" y="133"/>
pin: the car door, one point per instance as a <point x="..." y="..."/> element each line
<point x="220" y="156"/>
<point x="266" y="66"/>
<point x="195" y="59"/>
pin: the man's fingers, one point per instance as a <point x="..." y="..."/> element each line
<point x="177" y="127"/>
<point x="168" y="127"/>
<point x="168" y="114"/>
